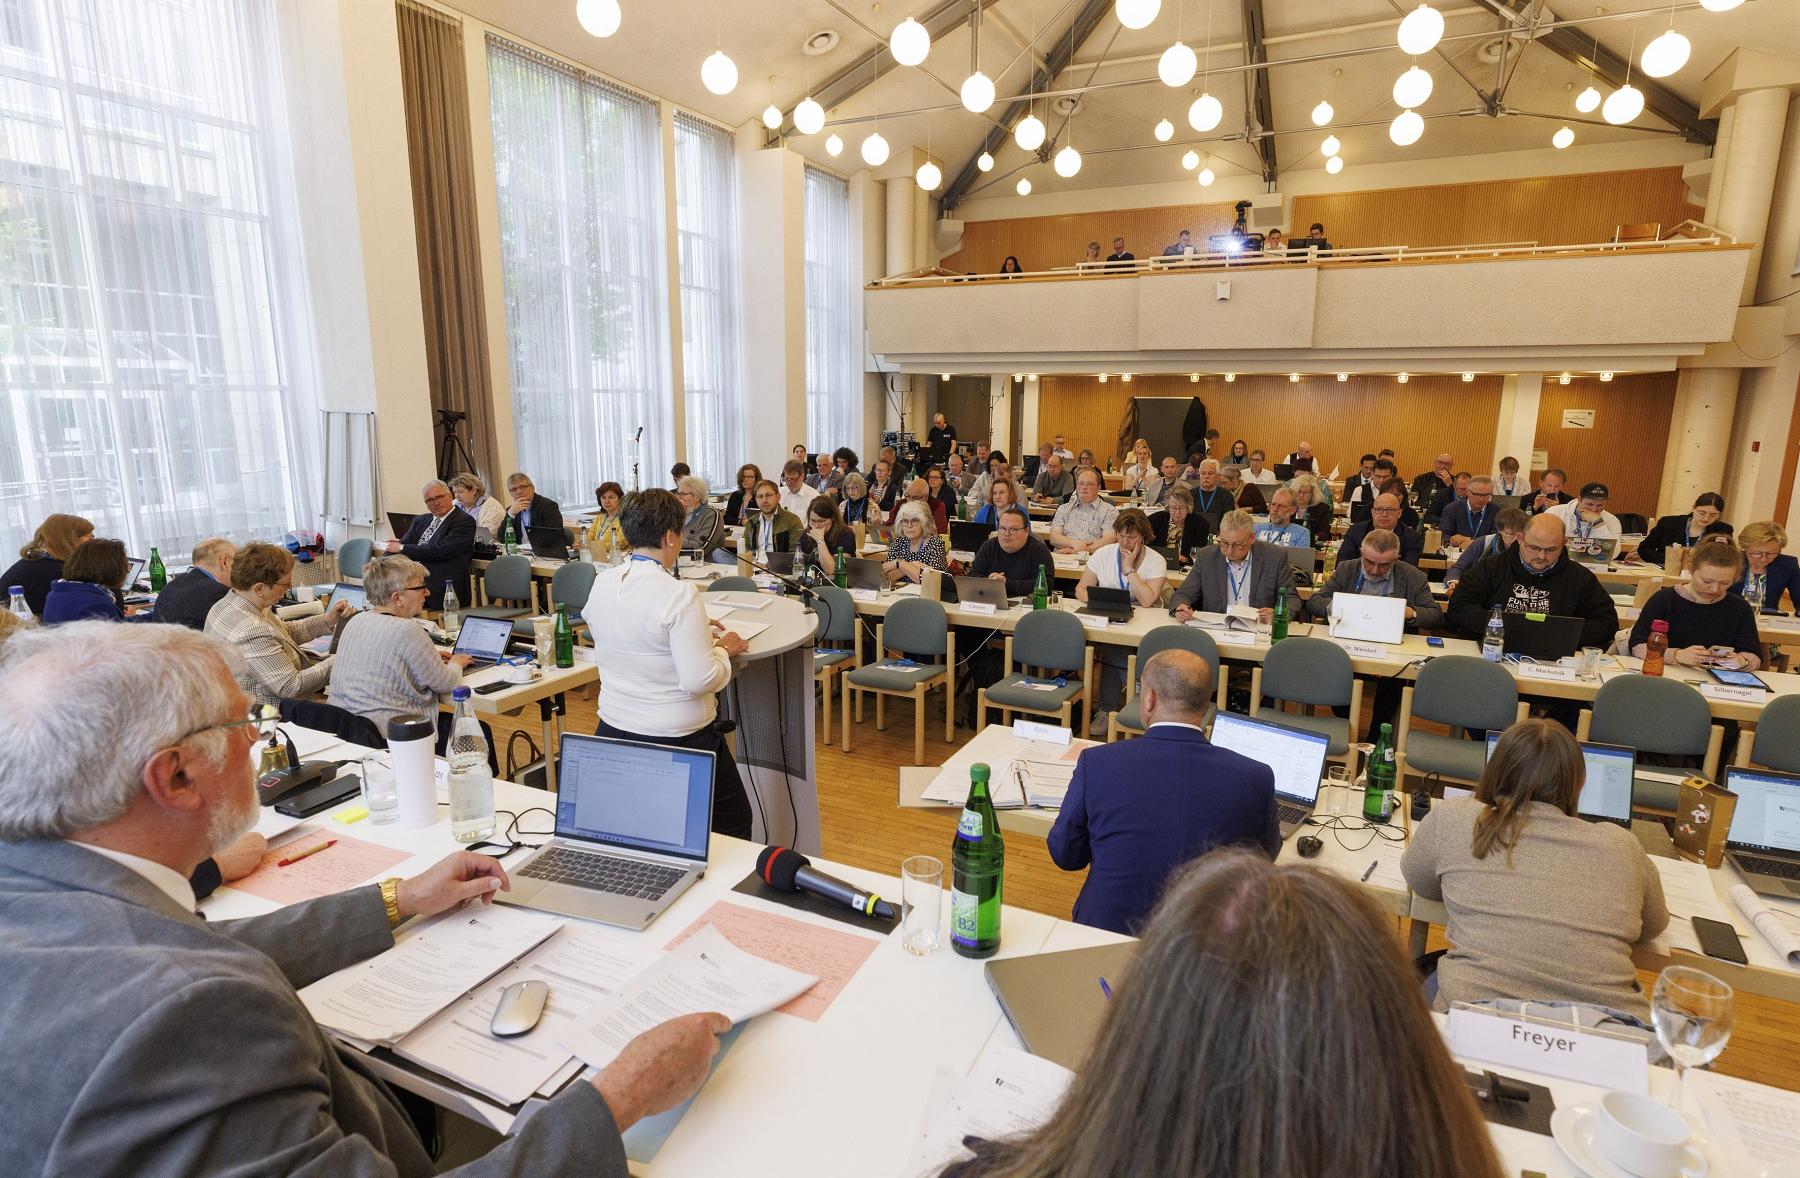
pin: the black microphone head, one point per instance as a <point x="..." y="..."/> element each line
<point x="778" y="865"/>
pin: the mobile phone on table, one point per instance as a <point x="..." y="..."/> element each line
<point x="1718" y="939"/>
<point x="1433" y="640"/>
<point x="308" y="802"/>
<point x="491" y="688"/>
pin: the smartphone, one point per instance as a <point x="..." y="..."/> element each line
<point x="491" y="688"/>
<point x="1433" y="640"/>
<point x="1718" y="939"/>
<point x="308" y="802"/>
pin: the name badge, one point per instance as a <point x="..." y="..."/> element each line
<point x="978" y="607"/>
<point x="1046" y="733"/>
<point x="1563" y="1052"/>
<point x="1363" y="650"/>
<point x="1748" y="695"/>
<point x="1543" y="671"/>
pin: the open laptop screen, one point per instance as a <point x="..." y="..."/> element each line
<point x="1768" y="810"/>
<point x="484" y="638"/>
<point x="1607" y="774"/>
<point x="1298" y="758"/>
<point x="644" y="797"/>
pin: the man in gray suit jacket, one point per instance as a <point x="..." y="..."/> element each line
<point x="143" y="1040"/>
<point x="1379" y="572"/>
<point x="1237" y="569"/>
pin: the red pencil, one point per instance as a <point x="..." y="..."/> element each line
<point x="305" y="853"/>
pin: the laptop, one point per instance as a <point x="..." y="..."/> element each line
<point x="484" y="640"/>
<point x="980" y="590"/>
<point x="549" y="543"/>
<point x="1544" y="637"/>
<point x="1054" y="1000"/>
<point x="356" y="595"/>
<point x="1296" y="755"/>
<point x="134" y="572"/>
<point x="1368" y="619"/>
<point x="1764" y="840"/>
<point x="1592" y="550"/>
<point x="1115" y="605"/>
<point x="865" y="574"/>
<point x="400" y="521"/>
<point x="780" y="562"/>
<point x="1611" y="770"/>
<point x="967" y="537"/>
<point x="632" y="828"/>
<point x="1303" y="560"/>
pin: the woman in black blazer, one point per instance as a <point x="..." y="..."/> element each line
<point x="742" y="501"/>
<point x="1684" y="531"/>
<point x="1176" y="527"/>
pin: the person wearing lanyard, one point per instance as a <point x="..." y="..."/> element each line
<point x="662" y="663"/>
<point x="1685" y="531"/>
<point x="1131" y="564"/>
<point x="1209" y="497"/>
<point x="1768" y="572"/>
<point x="1381" y="573"/>
<point x="1237" y="570"/>
<point x="1472" y="517"/>
<point x="1586" y="519"/>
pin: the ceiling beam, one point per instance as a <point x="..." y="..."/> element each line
<point x="1062" y="51"/>
<point x="1261" y="108"/>
<point x="942" y="19"/>
<point x="1584" y="50"/>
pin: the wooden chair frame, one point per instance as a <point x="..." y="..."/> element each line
<point x="1709" y="764"/>
<point x="828" y="674"/>
<point x="917" y="695"/>
<point x="1064" y="713"/>
<point x="1405" y="727"/>
<point x="1348" y="757"/>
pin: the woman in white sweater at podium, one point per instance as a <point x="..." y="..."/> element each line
<point x="662" y="661"/>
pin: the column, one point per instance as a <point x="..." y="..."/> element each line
<point x="677" y="390"/>
<point x="1699" y="436"/>
<point x="1028" y="419"/>
<point x="772" y="220"/>
<point x="1000" y="414"/>
<point x="1515" y="432"/>
<point x="1749" y="173"/>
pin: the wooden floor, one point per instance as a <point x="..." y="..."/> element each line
<point x="862" y="826"/>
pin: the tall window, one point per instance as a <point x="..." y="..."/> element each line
<point x="578" y="163"/>
<point x="711" y="338"/>
<point x="833" y="386"/>
<point x="143" y="379"/>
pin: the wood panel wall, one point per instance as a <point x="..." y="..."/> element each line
<point x="1625" y="448"/>
<point x="1554" y="210"/>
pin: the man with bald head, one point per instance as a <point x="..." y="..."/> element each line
<point x="1138" y="809"/>
<point x="186" y="600"/>
<point x="1534" y="576"/>
<point x="1385" y="513"/>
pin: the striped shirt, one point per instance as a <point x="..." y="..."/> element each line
<point x="1085" y="522"/>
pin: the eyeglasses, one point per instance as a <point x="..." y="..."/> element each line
<point x="1012" y="531"/>
<point x="1763" y="553"/>
<point x="262" y="717"/>
<point x="413" y="589"/>
<point x="1539" y="549"/>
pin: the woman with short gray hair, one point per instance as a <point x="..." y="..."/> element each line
<point x="386" y="666"/>
<point x="703" y="527"/>
<point x="916" y="545"/>
<point x="471" y="495"/>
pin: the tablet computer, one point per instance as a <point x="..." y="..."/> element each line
<point x="1737" y="678"/>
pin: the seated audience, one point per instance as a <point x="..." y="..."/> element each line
<point x="959" y="478"/>
<point x="1249" y="498"/>
<point x="1176" y="528"/>
<point x="771" y="527"/>
<point x="845" y="460"/>
<point x="1361" y="488"/>
<point x="1002" y="494"/>
<point x="742" y="502"/>
<point x="1312" y="508"/>
<point x="529" y="509"/>
<point x="983" y="452"/>
<point x="797" y="453"/>
<point x="1137" y="810"/>
<point x="186" y="599"/>
<point x="1395" y="486"/>
<point x="1586" y="518"/>
<point x="1091" y="260"/>
<point x="1444" y="498"/>
<point x="471" y="495"/>
<point x="1379" y="571"/>
<point x="856" y="508"/>
<point x="1549" y="493"/>
<point x="1543" y="905"/>
<point x="1166" y="478"/>
<point x="442" y="539"/>
<point x="1766" y="567"/>
<point x="825" y="477"/>
<point x="1010" y="265"/>
<point x="1281" y="530"/>
<point x="1508" y="484"/>
<point x="1190" y="473"/>
<point x="1258" y="474"/>
<point x="1684" y="531"/>
<point x="679" y="471"/>
<point x="1131" y="564"/>
<point x="1384" y="514"/>
<point x="884" y="492"/>
<point x="1237" y="570"/>
<point x="1012" y="554"/>
<point x="703" y="531"/>
<point x="825" y="536"/>
<point x="1239" y="454"/>
<point x="900" y="471"/>
<point x="1302" y="458"/>
<point x="916" y="546"/>
<point x="795" y="494"/>
<point x="1142" y="471"/>
<point x="41" y="560"/>
<point x="1086" y="458"/>
<point x="1425" y="487"/>
<point x="386" y="665"/>
<point x="1120" y="256"/>
<point x="271" y="666"/>
<point x="993" y="467"/>
<point x="185" y="1049"/>
<point x="1274" y="243"/>
<point x="1317" y="233"/>
<point x="940" y="492"/>
<point x="1209" y="497"/>
<point x="1183" y="244"/>
<point x="1085" y="522"/>
<point x="1507" y="526"/>
<point x="1246" y="968"/>
<point x="1704" y="614"/>
<point x="1473" y="516"/>
<point x="1534" y="576"/>
<point x="605" y="539"/>
<point x="92" y="587"/>
<point x="919" y="491"/>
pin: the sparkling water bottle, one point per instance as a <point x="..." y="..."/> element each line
<point x="21" y="611"/>
<point x="471" y="781"/>
<point x="1493" y="639"/>
<point x="451" y="621"/>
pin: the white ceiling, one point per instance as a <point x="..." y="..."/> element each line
<point x="659" y="48"/>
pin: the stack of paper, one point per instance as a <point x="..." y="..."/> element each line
<point x="1776" y="925"/>
<point x="1008" y="1093"/>
<point x="1688" y="892"/>
<point x="1753" y="1124"/>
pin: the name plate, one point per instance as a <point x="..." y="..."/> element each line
<point x="1364" y="650"/>
<point x="863" y="594"/>
<point x="1562" y="1052"/>
<point x="1094" y="621"/>
<point x="1554" y="674"/>
<point x="1046" y="733"/>
<point x="1231" y="637"/>
<point x="978" y="607"/>
<point x="1725" y="691"/>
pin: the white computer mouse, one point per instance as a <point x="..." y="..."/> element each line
<point x="521" y="1005"/>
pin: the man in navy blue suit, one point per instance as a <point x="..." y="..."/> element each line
<point x="1139" y="809"/>
<point x="443" y="540"/>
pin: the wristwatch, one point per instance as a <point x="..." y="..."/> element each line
<point x="390" y="900"/>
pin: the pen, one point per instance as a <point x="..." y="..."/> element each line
<point x="304" y="854"/>
<point x="1106" y="989"/>
<point x="1370" y="870"/>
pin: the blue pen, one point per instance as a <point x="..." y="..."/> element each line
<point x="1106" y="989"/>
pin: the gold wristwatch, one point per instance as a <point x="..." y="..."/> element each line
<point x="390" y="899"/>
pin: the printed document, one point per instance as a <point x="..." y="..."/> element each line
<point x="1006" y="1094"/>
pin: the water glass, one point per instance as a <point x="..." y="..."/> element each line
<point x="1589" y="663"/>
<point x="921" y="904"/>
<point x="380" y="791"/>
<point x="1691" y="1010"/>
<point x="1337" y="780"/>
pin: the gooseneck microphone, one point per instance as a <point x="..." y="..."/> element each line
<point x="789" y="871"/>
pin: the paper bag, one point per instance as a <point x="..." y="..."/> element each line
<point x="1702" y="818"/>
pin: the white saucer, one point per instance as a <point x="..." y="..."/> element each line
<point x="1572" y="1127"/>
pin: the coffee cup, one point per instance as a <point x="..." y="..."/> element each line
<point x="1646" y="1138"/>
<point x="520" y="671"/>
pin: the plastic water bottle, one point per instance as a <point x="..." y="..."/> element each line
<point x="471" y="781"/>
<point x="21" y="611"/>
<point x="451" y="621"/>
<point x="1493" y="638"/>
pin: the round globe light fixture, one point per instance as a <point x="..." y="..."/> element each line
<point x="599" y="18"/>
<point x="1330" y="147"/>
<point x="1029" y="134"/>
<point x="1412" y="88"/>
<point x="1190" y="161"/>
<point x="719" y="73"/>
<point x="1205" y="113"/>
<point x="875" y="150"/>
<point x="771" y="117"/>
<point x="834" y="145"/>
<point x="1588" y="100"/>
<point x="1207" y="177"/>
<point x="909" y="42"/>
<point x="977" y="92"/>
<point x="1165" y="131"/>
<point x="1623" y="105"/>
<point x="1406" y="128"/>
<point x="1136" y="14"/>
<point x="1023" y="187"/>
<point x="1067" y="162"/>
<point x="1666" y="54"/>
<point x="1335" y="164"/>
<point x="1420" y="32"/>
<point x="809" y="117"/>
<point x="985" y="162"/>
<point x="1563" y="137"/>
<point x="1720" y="5"/>
<point x="929" y="176"/>
<point x="1177" y="65"/>
<point x="1321" y="114"/>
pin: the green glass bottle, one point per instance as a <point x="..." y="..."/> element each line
<point x="509" y="538"/>
<point x="978" y="869"/>
<point x="1378" y="778"/>
<point x="1040" y="592"/>
<point x="565" y="638"/>
<point x="962" y="508"/>
<point x="159" y="576"/>
<point x="841" y="571"/>
<point x="1278" y="621"/>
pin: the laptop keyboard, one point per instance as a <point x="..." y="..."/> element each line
<point x="1779" y="868"/>
<point x="1292" y="815"/>
<point x="603" y="873"/>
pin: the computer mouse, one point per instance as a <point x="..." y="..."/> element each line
<point x="1309" y="845"/>
<point x="521" y="1005"/>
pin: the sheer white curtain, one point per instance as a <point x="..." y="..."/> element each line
<point x="578" y="163"/>
<point x="711" y="335"/>
<point x="833" y="387"/>
<point x="144" y="380"/>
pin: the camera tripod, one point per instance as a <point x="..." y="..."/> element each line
<point x="452" y="447"/>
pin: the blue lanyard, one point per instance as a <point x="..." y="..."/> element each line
<point x="646" y="559"/>
<point x="1237" y="581"/>
<point x="1119" y="559"/>
<point x="1206" y="504"/>
<point x="1475" y="520"/>
<point x="1582" y="533"/>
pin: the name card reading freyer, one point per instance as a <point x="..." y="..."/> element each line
<point x="1564" y="1052"/>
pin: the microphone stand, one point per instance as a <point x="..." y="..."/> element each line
<point x="805" y="592"/>
<point x="637" y="459"/>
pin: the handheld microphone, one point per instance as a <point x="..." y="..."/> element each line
<point x="637" y="437"/>
<point x="790" y="871"/>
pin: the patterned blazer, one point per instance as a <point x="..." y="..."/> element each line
<point x="274" y="667"/>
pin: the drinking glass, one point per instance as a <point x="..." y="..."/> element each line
<point x="1692" y="1013"/>
<point x="921" y="904"/>
<point x="380" y="791"/>
<point x="1337" y="779"/>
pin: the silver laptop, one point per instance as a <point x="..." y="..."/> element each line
<point x="1764" y="839"/>
<point x="1368" y="619"/>
<point x="1296" y="756"/>
<point x="981" y="590"/>
<point x="1609" y="773"/>
<point x="1055" y="1001"/>
<point x="484" y="640"/>
<point x="632" y="828"/>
